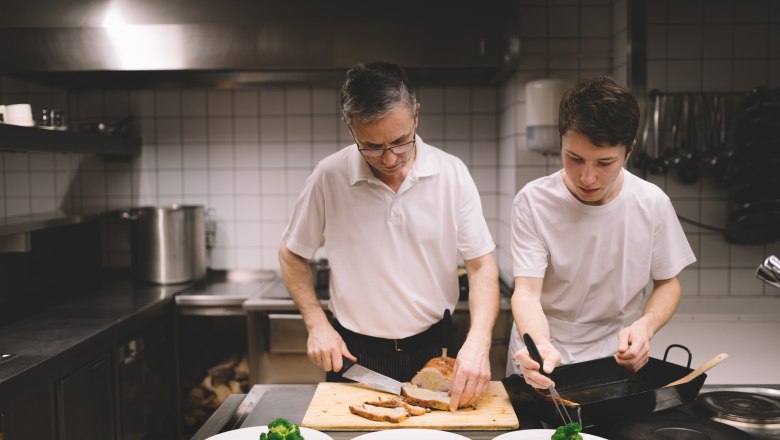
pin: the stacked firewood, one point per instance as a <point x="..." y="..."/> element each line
<point x="228" y="377"/>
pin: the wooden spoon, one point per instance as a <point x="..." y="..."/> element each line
<point x="699" y="371"/>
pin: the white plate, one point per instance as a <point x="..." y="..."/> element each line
<point x="539" y="434"/>
<point x="410" y="434"/>
<point x="253" y="433"/>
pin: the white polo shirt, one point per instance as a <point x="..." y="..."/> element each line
<point x="393" y="256"/>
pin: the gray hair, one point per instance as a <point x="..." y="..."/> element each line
<point x="373" y="90"/>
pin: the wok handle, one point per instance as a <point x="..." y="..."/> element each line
<point x="699" y="371"/>
<point x="690" y="355"/>
<point x="534" y="352"/>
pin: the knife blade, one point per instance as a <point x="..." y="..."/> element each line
<point x="533" y="351"/>
<point x="358" y="373"/>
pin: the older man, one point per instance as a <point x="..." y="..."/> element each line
<point x="395" y="215"/>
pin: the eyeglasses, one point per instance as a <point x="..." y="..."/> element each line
<point x="379" y="152"/>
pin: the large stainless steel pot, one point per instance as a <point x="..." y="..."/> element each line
<point x="168" y="243"/>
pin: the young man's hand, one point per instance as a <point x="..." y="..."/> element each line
<point x="551" y="358"/>
<point x="634" y="346"/>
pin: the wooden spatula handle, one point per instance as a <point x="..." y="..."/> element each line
<point x="699" y="371"/>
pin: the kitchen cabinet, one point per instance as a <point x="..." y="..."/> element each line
<point x="145" y="374"/>
<point x="30" y="417"/>
<point x="18" y="138"/>
<point x="106" y="371"/>
<point x="85" y="402"/>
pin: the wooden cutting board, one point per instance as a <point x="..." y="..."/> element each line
<point x="329" y="411"/>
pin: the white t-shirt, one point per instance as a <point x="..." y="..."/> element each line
<point x="595" y="260"/>
<point x="393" y="256"/>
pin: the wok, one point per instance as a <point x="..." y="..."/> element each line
<point x="606" y="392"/>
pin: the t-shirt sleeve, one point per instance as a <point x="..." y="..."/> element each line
<point x="529" y="252"/>
<point x="474" y="238"/>
<point x="671" y="251"/>
<point x="305" y="231"/>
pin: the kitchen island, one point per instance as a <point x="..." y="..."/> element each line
<point x="264" y="403"/>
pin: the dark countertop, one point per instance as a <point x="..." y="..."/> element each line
<point x="52" y="330"/>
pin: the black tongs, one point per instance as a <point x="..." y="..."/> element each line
<point x="556" y="398"/>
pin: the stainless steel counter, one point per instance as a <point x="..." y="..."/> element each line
<point x="277" y="337"/>
<point x="276" y="298"/>
<point x="264" y="403"/>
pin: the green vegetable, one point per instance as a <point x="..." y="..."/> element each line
<point x="282" y="429"/>
<point x="568" y="432"/>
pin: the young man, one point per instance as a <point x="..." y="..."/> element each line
<point x="394" y="215"/>
<point x="587" y="239"/>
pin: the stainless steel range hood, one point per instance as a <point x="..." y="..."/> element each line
<point x="84" y="43"/>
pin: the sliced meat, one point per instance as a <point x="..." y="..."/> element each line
<point x="552" y="399"/>
<point x="436" y="374"/>
<point x="415" y="410"/>
<point x="426" y="398"/>
<point x="386" y="403"/>
<point x="380" y="413"/>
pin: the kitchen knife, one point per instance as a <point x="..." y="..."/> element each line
<point x="536" y="356"/>
<point x="359" y="373"/>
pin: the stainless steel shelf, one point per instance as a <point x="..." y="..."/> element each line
<point x="34" y="222"/>
<point x="17" y="138"/>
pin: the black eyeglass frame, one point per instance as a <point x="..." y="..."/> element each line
<point x="382" y="151"/>
<point x="407" y="147"/>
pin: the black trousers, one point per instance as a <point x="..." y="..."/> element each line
<point x="397" y="358"/>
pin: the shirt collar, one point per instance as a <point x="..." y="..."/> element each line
<point x="425" y="164"/>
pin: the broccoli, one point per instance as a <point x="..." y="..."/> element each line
<point x="282" y="429"/>
<point x="568" y="432"/>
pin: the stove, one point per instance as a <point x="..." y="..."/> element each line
<point x="718" y="412"/>
<point x="755" y="410"/>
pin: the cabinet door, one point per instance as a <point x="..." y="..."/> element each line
<point x="29" y="417"/>
<point x="146" y="392"/>
<point x="86" y="402"/>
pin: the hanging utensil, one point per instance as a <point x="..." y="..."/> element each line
<point x="655" y="166"/>
<point x="713" y="127"/>
<point x="647" y="152"/>
<point x="688" y="172"/>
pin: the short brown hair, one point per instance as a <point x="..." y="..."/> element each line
<point x="601" y="109"/>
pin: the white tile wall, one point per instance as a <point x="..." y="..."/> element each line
<point x="244" y="153"/>
<point x="693" y="45"/>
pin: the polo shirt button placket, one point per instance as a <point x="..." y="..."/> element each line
<point x="394" y="216"/>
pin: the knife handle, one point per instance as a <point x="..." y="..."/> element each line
<point x="534" y="352"/>
<point x="346" y="363"/>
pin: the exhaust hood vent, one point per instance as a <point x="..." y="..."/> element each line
<point x="83" y="43"/>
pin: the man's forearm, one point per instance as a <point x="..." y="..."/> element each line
<point x="527" y="309"/>
<point x="298" y="279"/>
<point x="662" y="303"/>
<point x="483" y="297"/>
